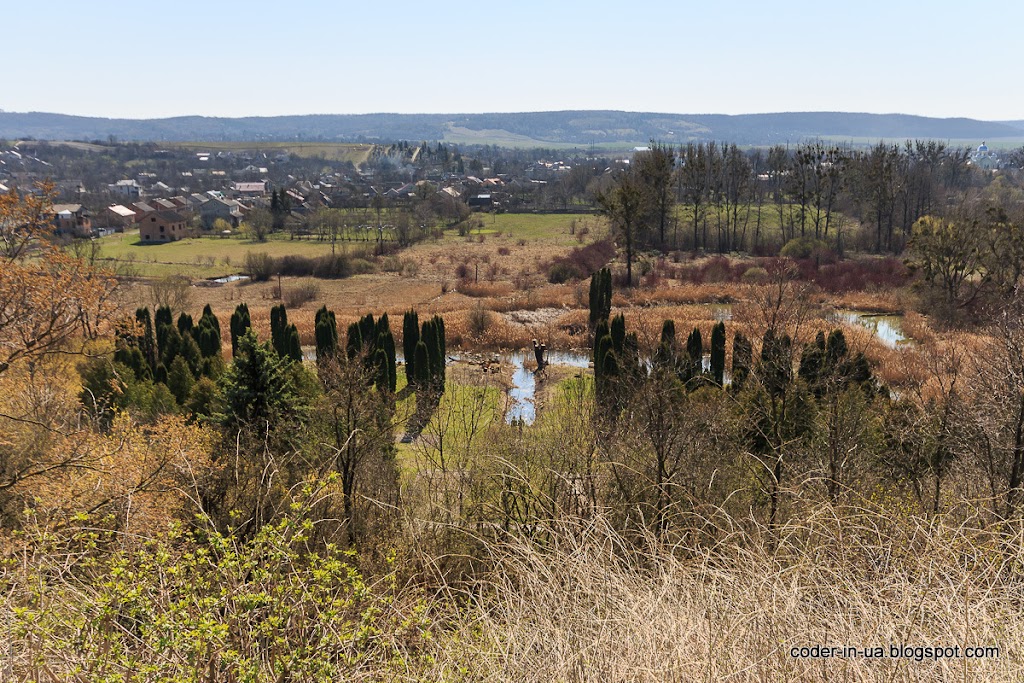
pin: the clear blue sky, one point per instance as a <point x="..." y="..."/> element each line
<point x="230" y="58"/>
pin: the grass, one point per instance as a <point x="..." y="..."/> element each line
<point x="333" y="151"/>
<point x="202" y="257"/>
<point x="588" y="606"/>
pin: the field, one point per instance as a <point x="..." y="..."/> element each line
<point x="332" y="151"/>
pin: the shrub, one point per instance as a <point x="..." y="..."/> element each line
<point x="479" y="320"/>
<point x="803" y="247"/>
<point x="581" y="262"/>
<point x="259" y="265"/>
<point x="755" y="275"/>
<point x="295" y="297"/>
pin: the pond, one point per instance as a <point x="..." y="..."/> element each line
<point x="230" y="278"/>
<point x="522" y="395"/>
<point x="886" y="326"/>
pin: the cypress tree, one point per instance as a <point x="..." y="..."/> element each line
<point x="162" y="322"/>
<point x="605" y="346"/>
<point x="718" y="353"/>
<point x="208" y="314"/>
<point x="368" y="333"/>
<point x="389" y="353"/>
<point x="600" y="296"/>
<point x="380" y="367"/>
<point x="292" y="345"/>
<point x="694" y="364"/>
<point x="240" y="323"/>
<point x="185" y="325"/>
<point x="835" y="350"/>
<point x="775" y="363"/>
<point x="812" y="363"/>
<point x="742" y="360"/>
<point x="326" y="332"/>
<point x="146" y="341"/>
<point x="180" y="380"/>
<point x="279" y="330"/>
<point x="422" y="365"/>
<point x="354" y="341"/>
<point x="618" y="331"/>
<point x="410" y="337"/>
<point x="442" y="350"/>
<point x="668" y="333"/>
<point x="171" y="346"/>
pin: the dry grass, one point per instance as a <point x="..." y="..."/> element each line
<point x="592" y="608"/>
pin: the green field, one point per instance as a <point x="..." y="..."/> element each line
<point x="214" y="256"/>
<point x="331" y="151"/>
<point x="201" y="257"/>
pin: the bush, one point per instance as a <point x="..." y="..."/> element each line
<point x="755" y="275"/>
<point x="479" y="321"/>
<point x="803" y="247"/>
<point x="295" y="297"/>
<point x="581" y="262"/>
<point x="259" y="265"/>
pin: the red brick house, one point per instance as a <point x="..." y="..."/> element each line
<point x="162" y="226"/>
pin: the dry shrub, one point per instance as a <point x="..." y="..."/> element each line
<point x="581" y="262"/>
<point x="479" y="321"/>
<point x="295" y="297"/>
<point x="482" y="289"/>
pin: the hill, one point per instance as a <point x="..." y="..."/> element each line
<point x="535" y="129"/>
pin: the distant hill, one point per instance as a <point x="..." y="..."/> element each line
<point x="536" y="129"/>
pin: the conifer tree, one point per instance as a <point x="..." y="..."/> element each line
<point x="718" y="353"/>
<point x="410" y="337"/>
<point x="240" y="322"/>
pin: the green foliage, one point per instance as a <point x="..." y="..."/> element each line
<point x="240" y="322"/>
<point x="202" y="605"/>
<point x="410" y="337"/>
<point x="776" y="363"/>
<point x="185" y="325"/>
<point x="718" y="353"/>
<point x="600" y="296"/>
<point x="326" y="332"/>
<point x="353" y="341"/>
<point x="146" y="341"/>
<point x="180" y="380"/>
<point x="803" y="247"/>
<point x="742" y="360"/>
<point x="279" y="330"/>
<point x="258" y="392"/>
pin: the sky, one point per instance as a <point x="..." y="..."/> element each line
<point x="144" y="59"/>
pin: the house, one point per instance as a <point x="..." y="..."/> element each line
<point x="251" y="189"/>
<point x="117" y="216"/>
<point x="129" y="189"/>
<point x="72" y="219"/>
<point x="162" y="226"/>
<point x="163" y="205"/>
<point x="141" y="209"/>
<point x="227" y="209"/>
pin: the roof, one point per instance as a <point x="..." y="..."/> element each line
<point x="164" y="204"/>
<point x="122" y="211"/>
<point x="143" y="207"/>
<point x="170" y="217"/>
<point x="251" y="187"/>
<point x="60" y="208"/>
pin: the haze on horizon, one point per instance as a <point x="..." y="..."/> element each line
<point x="257" y="58"/>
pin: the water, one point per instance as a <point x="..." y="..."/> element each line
<point x="523" y="392"/>
<point x="522" y="395"/>
<point x="887" y="328"/>
<point x="230" y="278"/>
